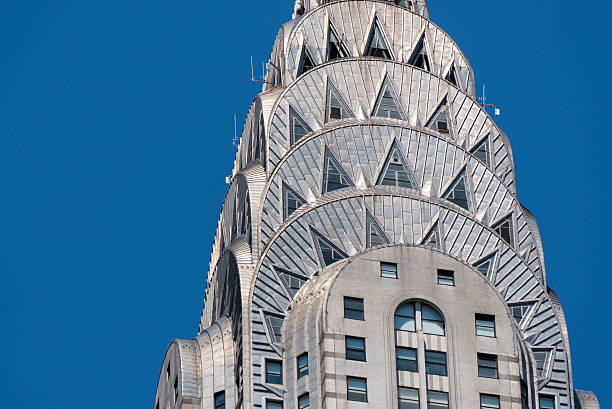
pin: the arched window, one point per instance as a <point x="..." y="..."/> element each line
<point x="404" y="317"/>
<point x="432" y="321"/>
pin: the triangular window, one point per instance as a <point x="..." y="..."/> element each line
<point x="440" y="120"/>
<point x="404" y="3"/>
<point x="306" y="61"/>
<point x="386" y="104"/>
<point x="292" y="282"/>
<point x="297" y="126"/>
<point x="377" y="46"/>
<point x="458" y="192"/>
<point x="275" y="324"/>
<point x="451" y="76"/>
<point x="291" y="201"/>
<point x="432" y="239"/>
<point x="419" y="56"/>
<point x="335" y="48"/>
<point x="542" y="358"/>
<point x="505" y="230"/>
<point x="334" y="177"/>
<point x="395" y="171"/>
<point x="520" y="311"/>
<point x="481" y="151"/>
<point x="485" y="265"/>
<point x="327" y="251"/>
<point x="335" y="108"/>
<point x="375" y="236"/>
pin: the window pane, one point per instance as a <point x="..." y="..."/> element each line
<point x="404" y="317"/>
<point x="274" y="405"/>
<point x="353" y="308"/>
<point x="433" y="327"/>
<point x="435" y="363"/>
<point x="220" y="400"/>
<point x="302" y="361"/>
<point x="304" y="401"/>
<point x="355" y="349"/>
<point x="356" y="389"/>
<point x="485" y="325"/>
<point x="437" y="400"/>
<point x="388" y="270"/>
<point x="547" y="402"/>
<point x="489" y="402"/>
<point x="487" y="366"/>
<point x="408" y="398"/>
<point x="273" y="372"/>
<point x="406" y="359"/>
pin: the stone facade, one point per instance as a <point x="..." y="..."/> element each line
<point x="371" y="250"/>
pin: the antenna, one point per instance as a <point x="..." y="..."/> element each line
<point x="235" y="140"/>
<point x="483" y="99"/>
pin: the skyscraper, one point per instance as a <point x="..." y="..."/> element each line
<point x="371" y="249"/>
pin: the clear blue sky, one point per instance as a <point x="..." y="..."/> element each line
<point x="116" y="123"/>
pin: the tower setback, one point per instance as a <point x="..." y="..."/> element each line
<point x="371" y="249"/>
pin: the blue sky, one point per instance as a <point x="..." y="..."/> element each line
<point x="116" y="126"/>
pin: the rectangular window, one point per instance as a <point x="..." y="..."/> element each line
<point x="274" y="404"/>
<point x="408" y="398"/>
<point x="304" y="401"/>
<point x="353" y="308"/>
<point x="489" y="401"/>
<point x="485" y="325"/>
<point x="302" y="365"/>
<point x="406" y="359"/>
<point x="435" y="363"/>
<point x="487" y="366"/>
<point x="356" y="389"/>
<point x="220" y="400"/>
<point x="355" y="348"/>
<point x="388" y="270"/>
<point x="547" y="402"/>
<point x="274" y="370"/>
<point x="446" y="277"/>
<point x="437" y="400"/>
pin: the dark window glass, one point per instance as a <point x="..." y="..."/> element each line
<point x="489" y="401"/>
<point x="485" y="325"/>
<point x="437" y="400"/>
<point x="547" y="402"/>
<point x="304" y="401"/>
<point x="408" y="398"/>
<point x="446" y="277"/>
<point x="220" y="400"/>
<point x="504" y="229"/>
<point x="487" y="366"/>
<point x="435" y="363"/>
<point x="302" y="365"/>
<point x="355" y="348"/>
<point x="274" y="404"/>
<point x="406" y="359"/>
<point x="458" y="195"/>
<point x="274" y="372"/>
<point x="432" y="321"/>
<point x="353" y="308"/>
<point x="275" y="324"/>
<point x="335" y="47"/>
<point x="388" y="270"/>
<point x="377" y="47"/>
<point x="541" y="358"/>
<point x="404" y="317"/>
<point x="356" y="389"/>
